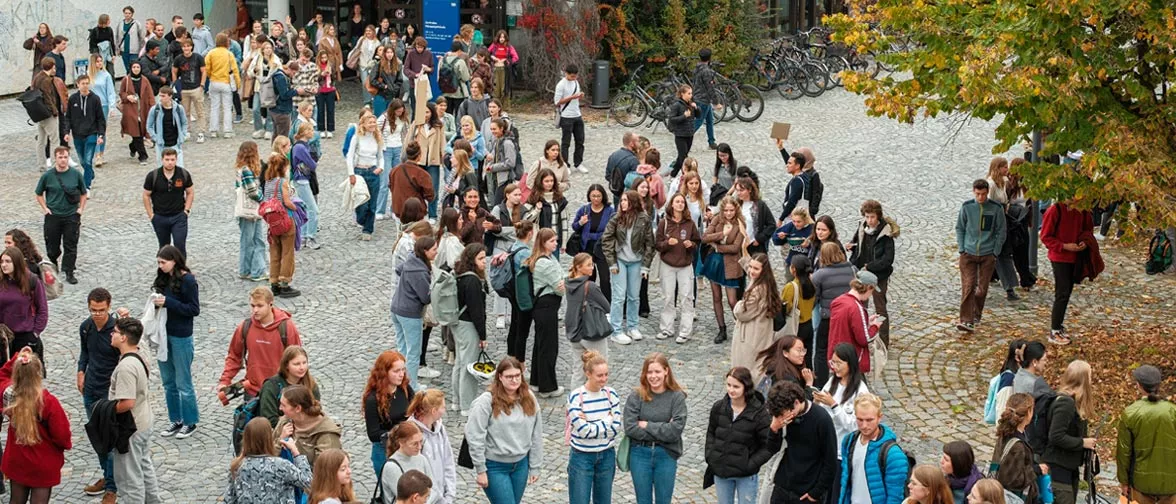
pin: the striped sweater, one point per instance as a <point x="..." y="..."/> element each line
<point x="595" y="419"/>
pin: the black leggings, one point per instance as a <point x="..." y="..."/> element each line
<point x="818" y="355"/>
<point x="520" y="327"/>
<point x="425" y="344"/>
<point x="1063" y="287"/>
<point x="27" y="495"/>
<point x="683" y="143"/>
<point x="546" y="351"/>
<point x="601" y="276"/>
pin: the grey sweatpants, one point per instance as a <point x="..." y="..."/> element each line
<point x="135" y="472"/>
<point x="465" y="340"/>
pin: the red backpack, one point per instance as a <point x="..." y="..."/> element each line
<point x="273" y="212"/>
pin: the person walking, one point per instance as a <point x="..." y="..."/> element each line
<point x="738" y="440"/>
<point x="85" y="125"/>
<point x="136" y="100"/>
<point x="593" y="426"/>
<point x="680" y="121"/>
<point x="224" y="76"/>
<point x="62" y="194"/>
<point x="1068" y="234"/>
<point x="454" y="64"/>
<point x="703" y="82"/>
<point x="130" y="391"/>
<point x="1147" y="442"/>
<point x="281" y="254"/>
<point x="167" y="125"/>
<point x="1069" y="416"/>
<point x="873" y="250"/>
<point x="96" y="361"/>
<point x="412" y="294"/>
<point x="167" y="198"/>
<point x="176" y="290"/>
<point x="263" y="337"/>
<point x="365" y="158"/>
<point x="393" y="125"/>
<point x="24" y="309"/>
<point x="260" y="65"/>
<point x="304" y="421"/>
<point x="293" y="369"/>
<point x="430" y="137"/>
<point x="258" y="475"/>
<point x="102" y="85"/>
<point x="571" y="124"/>
<point x="386" y="398"/>
<point x="726" y="234"/>
<point x="505" y="435"/>
<point x="628" y="247"/>
<point x="469" y="334"/>
<point x="129" y="38"/>
<point x="980" y="234"/>
<point x="677" y="239"/>
<point x="49" y="128"/>
<point x="549" y="288"/>
<point x="190" y="72"/>
<point x="654" y="419"/>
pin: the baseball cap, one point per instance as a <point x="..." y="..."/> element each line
<point x="867" y="278"/>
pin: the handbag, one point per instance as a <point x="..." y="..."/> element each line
<point x="594" y="325"/>
<point x="463" y="455"/>
<point x="245" y="207"/>
<point x="791" y="325"/>
<point x="482" y="368"/>
<point x="574" y="245"/>
<point x="427" y="317"/>
<point x="623" y="452"/>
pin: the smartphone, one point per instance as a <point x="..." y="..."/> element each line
<point x="880" y="320"/>
<point x="813" y="390"/>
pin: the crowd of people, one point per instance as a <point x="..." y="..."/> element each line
<point x="477" y="230"/>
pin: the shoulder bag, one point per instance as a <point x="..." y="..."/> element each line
<point x="245" y="208"/>
<point x="560" y="108"/>
<point x="593" y="324"/>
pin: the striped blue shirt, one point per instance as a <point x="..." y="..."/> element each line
<point x="598" y="428"/>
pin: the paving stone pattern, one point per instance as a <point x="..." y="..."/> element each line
<point x="920" y="173"/>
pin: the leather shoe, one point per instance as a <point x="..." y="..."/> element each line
<point x="69" y="277"/>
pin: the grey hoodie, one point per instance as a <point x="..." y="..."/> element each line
<point x="440" y="455"/>
<point x="575" y="297"/>
<point x="412" y="293"/>
<point x="506" y="438"/>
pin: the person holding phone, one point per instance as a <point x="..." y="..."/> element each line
<point x="837" y="397"/>
<point x="848" y="320"/>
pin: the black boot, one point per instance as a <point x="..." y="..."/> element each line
<point x="722" y="336"/>
<point x="275" y="288"/>
<point x="285" y="291"/>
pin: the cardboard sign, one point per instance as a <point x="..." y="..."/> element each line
<point x="780" y="130"/>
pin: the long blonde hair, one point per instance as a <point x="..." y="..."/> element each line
<point x="461" y="163"/>
<point x="1076" y="383"/>
<point x="27" y="399"/>
<point x="92" y="70"/>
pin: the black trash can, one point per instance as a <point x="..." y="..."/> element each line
<point x="600" y="84"/>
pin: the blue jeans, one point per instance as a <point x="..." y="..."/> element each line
<point x="706" y="113"/>
<point x="86" y="147"/>
<point x="176" y="374"/>
<point x="391" y="159"/>
<point x="259" y="123"/>
<point x="379" y="457"/>
<point x="746" y="487"/>
<point x="253" y="259"/>
<point x="363" y="78"/>
<point x="105" y="460"/>
<point x="590" y="476"/>
<point x="507" y="481"/>
<point x="653" y="472"/>
<point x="365" y="214"/>
<point x="302" y="189"/>
<point x="408" y="342"/>
<point x="626" y="285"/>
<point x="106" y="114"/>
<point x="435" y="174"/>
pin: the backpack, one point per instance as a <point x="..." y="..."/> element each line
<point x="1038" y="430"/>
<point x="446" y="306"/>
<point x="34" y="104"/>
<point x="49" y="280"/>
<point x="524" y="288"/>
<point x="884" y="451"/>
<point x="273" y="212"/>
<point x="1159" y="253"/>
<point x="269" y="96"/>
<point x="447" y="76"/>
<point x="347" y="138"/>
<point x="251" y="408"/>
<point x="616" y="180"/>
<point x="816" y="190"/>
<point x="502" y="276"/>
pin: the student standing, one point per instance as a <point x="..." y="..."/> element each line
<point x="1013" y="460"/>
<point x="837" y="398"/>
<point x="412" y="294"/>
<point x="738" y="439"/>
<point x="520" y="320"/>
<point x="293" y="369"/>
<point x="548" y="285"/>
<point x="1068" y="234"/>
<point x="331" y="483"/>
<point x="224" y="76"/>
<point x="654" y="418"/>
<point x="129" y="388"/>
<point x="677" y="239"/>
<point x="1069" y="416"/>
<point x="754" y="314"/>
<point x="628" y="248"/>
<point x="593" y="426"/>
<point x="590" y="221"/>
<point x="404" y="450"/>
<point x="303" y="420"/>
<point x="386" y="397"/>
<point x="726" y="233"/>
<point x="258" y="475"/>
<point x="571" y="124"/>
<point x="505" y="435"/>
<point x="251" y="262"/>
<point x="281" y="257"/>
<point x="583" y="297"/>
<point x="1147" y="440"/>
<point x="96" y="361"/>
<point x="426" y="410"/>
<point x="873" y="251"/>
<point x="177" y="291"/>
<point x="806" y="471"/>
<point x="469" y="334"/>
<point x="23" y="307"/>
<point x="680" y="122"/>
<point x="167" y="198"/>
<point x="305" y="180"/>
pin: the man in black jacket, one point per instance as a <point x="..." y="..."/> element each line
<point x="156" y="66"/>
<point x="805" y="474"/>
<point x="872" y="248"/>
<point x="619" y="164"/>
<point x="86" y="126"/>
<point x="703" y="81"/>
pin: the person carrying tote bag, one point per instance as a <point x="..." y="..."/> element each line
<point x="585" y="322"/>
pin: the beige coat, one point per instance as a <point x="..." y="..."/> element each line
<point x="753" y="332"/>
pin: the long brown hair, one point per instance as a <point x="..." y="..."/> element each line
<point x="27" y="400"/>
<point x="20" y="278"/>
<point x="643" y="389"/>
<point x="500" y="400"/>
<point x="257" y="439"/>
<point x="448" y="223"/>
<point x="932" y="477"/>
<point x="537" y="252"/>
<point x="247" y="156"/>
<point x="766" y="283"/>
<point x="276" y="167"/>
<point x="377" y="381"/>
<point x="325" y="484"/>
<point x="773" y="362"/>
<point x="23" y="242"/>
<point x="537" y="189"/>
<point x="290" y="353"/>
<point x="1017" y="409"/>
<point x="625" y="219"/>
<point x="300" y="396"/>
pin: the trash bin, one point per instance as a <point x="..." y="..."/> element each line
<point x="600" y="84"/>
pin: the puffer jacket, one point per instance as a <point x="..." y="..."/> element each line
<point x="875" y="251"/>
<point x="832" y="281"/>
<point x="642" y="244"/>
<point x="883" y="490"/>
<point x="678" y="122"/>
<point x="1147" y="436"/>
<point x="737" y="447"/>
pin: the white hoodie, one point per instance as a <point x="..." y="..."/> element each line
<point x="440" y="455"/>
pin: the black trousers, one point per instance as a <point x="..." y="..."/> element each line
<point x="818" y="354"/>
<point x="601" y="276"/>
<point x="172" y="229"/>
<point x="236" y="104"/>
<point x="546" y="351"/>
<point x="425" y="344"/>
<point x="61" y="231"/>
<point x="1064" y="274"/>
<point x="572" y="127"/>
<point x="138" y="149"/>
<point x="683" y="143"/>
<point x="516" y="336"/>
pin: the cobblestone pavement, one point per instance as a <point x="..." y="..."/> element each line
<point x="920" y="173"/>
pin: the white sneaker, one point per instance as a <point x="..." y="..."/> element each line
<point x="501" y="323"/>
<point x="620" y="338"/>
<point x="663" y="335"/>
<point x="581" y="169"/>
<point x="200" y="138"/>
<point x="214" y="134"/>
<point x="228" y="134"/>
<point x="381" y="216"/>
<point x="681" y="339"/>
<point x="257" y="134"/>
<point x="269" y="135"/>
<point x="1099" y="237"/>
<point x="635" y="334"/>
<point x="428" y="373"/>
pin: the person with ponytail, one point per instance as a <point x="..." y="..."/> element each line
<point x="425" y="411"/>
<point x="38" y="434"/>
<point x="582" y="295"/>
<point x="258" y="475"/>
<point x="332" y="479"/>
<point x="800" y="294"/>
<point x="1146" y="451"/>
<point x="520" y="319"/>
<point x="593" y="426"/>
<point x="303" y="421"/>
<point x="1012" y="458"/>
<point x="404" y="454"/>
<point x="548" y="286"/>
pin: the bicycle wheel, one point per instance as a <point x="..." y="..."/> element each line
<point x="761" y="75"/>
<point x="720" y="105"/>
<point x="628" y="109"/>
<point x="751" y="103"/>
<point x="731" y="94"/>
<point x="815" y="79"/>
<point x="790" y="86"/>
<point x="836" y="65"/>
<point x="827" y="81"/>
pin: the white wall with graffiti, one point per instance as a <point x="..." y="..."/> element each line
<point x="74" y="18"/>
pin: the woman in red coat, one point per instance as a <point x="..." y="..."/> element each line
<point x="38" y="434"/>
<point x="1068" y="234"/>
<point x="136" y="99"/>
<point x="850" y="322"/>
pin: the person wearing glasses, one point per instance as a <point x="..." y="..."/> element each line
<point x="505" y="435"/>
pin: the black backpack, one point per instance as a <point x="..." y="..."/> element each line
<point x="816" y="190"/>
<point x="447" y="76"/>
<point x="1038" y="431"/>
<point x="35" y="106"/>
<point x="251" y="408"/>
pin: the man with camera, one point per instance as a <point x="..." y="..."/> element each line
<point x="61" y="193"/>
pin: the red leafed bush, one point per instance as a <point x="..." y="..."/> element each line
<point x="559" y="32"/>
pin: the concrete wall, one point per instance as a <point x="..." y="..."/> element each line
<point x="74" y="18"/>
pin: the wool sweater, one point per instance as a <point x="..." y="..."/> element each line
<point x="23" y="313"/>
<point x="182" y="306"/>
<point x="665" y="417"/>
<point x="506" y="438"/>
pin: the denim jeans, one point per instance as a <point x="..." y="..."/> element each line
<point x="653" y="472"/>
<point x="746" y="488"/>
<point x="260" y="123"/>
<point x="507" y="480"/>
<point x="408" y="342"/>
<point x="324" y="105"/>
<point x="105" y="460"/>
<point x="590" y="476"/>
<point x="379" y="458"/>
<point x="253" y="259"/>
<point x="302" y="189"/>
<point x="86" y="147"/>
<point x="364" y="74"/>
<point x="176" y="374"/>
<point x="106" y="114"/>
<point x="381" y="198"/>
<point x="706" y="114"/>
<point x="435" y="174"/>
<point x="365" y="214"/>
<point x="626" y="285"/>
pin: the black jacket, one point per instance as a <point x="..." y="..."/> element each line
<point x="85" y="115"/>
<point x="738" y="447"/>
<point x="703" y="82"/>
<point x="763" y="227"/>
<point x="874" y="252"/>
<point x="1066" y="430"/>
<point x="677" y="122"/>
<point x="108" y="430"/>
<point x="618" y="166"/>
<point x="160" y="62"/>
<point x="810" y="461"/>
<point x="100" y="34"/>
<point x="471" y="295"/>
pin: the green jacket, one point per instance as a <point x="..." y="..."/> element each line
<point x="980" y="228"/>
<point x="1147" y="434"/>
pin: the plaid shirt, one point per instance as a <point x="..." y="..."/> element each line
<point x="307" y="79"/>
